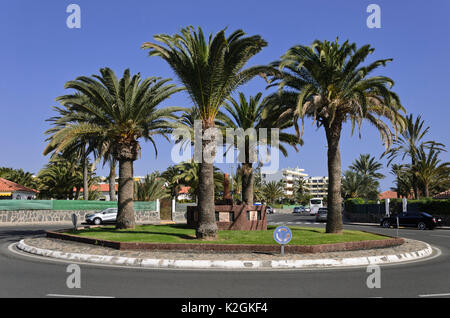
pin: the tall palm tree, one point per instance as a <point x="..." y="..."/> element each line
<point x="249" y="114"/>
<point x="409" y="144"/>
<point x="210" y="69"/>
<point x="120" y="112"/>
<point x="327" y="83"/>
<point x="367" y="166"/>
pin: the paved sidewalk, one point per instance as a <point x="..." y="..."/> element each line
<point x="79" y="252"/>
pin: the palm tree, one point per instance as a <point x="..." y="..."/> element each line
<point x="249" y="114"/>
<point x="357" y="185"/>
<point x="79" y="149"/>
<point x="327" y="83"/>
<point x="151" y="188"/>
<point x="171" y="176"/>
<point x="19" y="176"/>
<point x="367" y="166"/>
<point x="272" y="191"/>
<point x="210" y="69"/>
<point x="403" y="180"/>
<point x="409" y="144"/>
<point x="120" y="112"/>
<point x="60" y="177"/>
<point x="189" y="175"/>
<point x="429" y="170"/>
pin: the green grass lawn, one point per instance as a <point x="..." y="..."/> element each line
<point x="183" y="234"/>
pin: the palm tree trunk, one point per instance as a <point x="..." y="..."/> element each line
<point x="334" y="219"/>
<point x="206" y="226"/>
<point x="85" y="175"/>
<point x="126" y="217"/>
<point x="112" y="180"/>
<point x="247" y="183"/>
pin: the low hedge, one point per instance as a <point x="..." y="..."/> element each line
<point x="432" y="206"/>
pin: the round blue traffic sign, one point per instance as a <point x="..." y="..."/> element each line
<point x="282" y="235"/>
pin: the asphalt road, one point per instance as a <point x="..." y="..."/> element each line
<point x="23" y="276"/>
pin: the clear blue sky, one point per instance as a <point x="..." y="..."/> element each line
<point x="39" y="54"/>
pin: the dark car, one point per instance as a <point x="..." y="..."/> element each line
<point x="421" y="220"/>
<point x="299" y="209"/>
<point x="321" y="215"/>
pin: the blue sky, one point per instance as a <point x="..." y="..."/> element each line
<point x="39" y="54"/>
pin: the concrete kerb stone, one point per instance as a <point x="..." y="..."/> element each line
<point x="228" y="264"/>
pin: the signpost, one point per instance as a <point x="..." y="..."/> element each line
<point x="405" y="205"/>
<point x="386" y="202"/>
<point x="74" y="221"/>
<point x="282" y="235"/>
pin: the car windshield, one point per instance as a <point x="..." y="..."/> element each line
<point x="426" y="214"/>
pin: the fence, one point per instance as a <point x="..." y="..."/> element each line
<point x="69" y="205"/>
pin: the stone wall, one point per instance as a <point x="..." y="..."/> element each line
<point x="60" y="217"/>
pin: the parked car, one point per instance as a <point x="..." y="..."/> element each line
<point x="421" y="220"/>
<point x="270" y="210"/>
<point x="321" y="215"/>
<point x="106" y="216"/>
<point x="298" y="209"/>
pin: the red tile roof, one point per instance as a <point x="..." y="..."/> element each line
<point x="184" y="190"/>
<point x="9" y="186"/>
<point x="442" y="195"/>
<point x="388" y="195"/>
<point x="103" y="187"/>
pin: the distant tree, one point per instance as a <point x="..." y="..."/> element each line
<point x="409" y="144"/>
<point x="19" y="176"/>
<point x="273" y="191"/>
<point x="367" y="166"/>
<point x="151" y="188"/>
<point x="355" y="185"/>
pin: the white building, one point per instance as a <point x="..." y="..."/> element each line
<point x="288" y="176"/>
<point x="315" y="186"/>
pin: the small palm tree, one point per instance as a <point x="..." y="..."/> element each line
<point x="367" y="166"/>
<point x="189" y="175"/>
<point x="151" y="188"/>
<point x="356" y="185"/>
<point x="273" y="191"/>
<point x="429" y="170"/>
<point x="403" y="180"/>
<point x="327" y="83"/>
<point x="119" y="112"/>
<point x="210" y="69"/>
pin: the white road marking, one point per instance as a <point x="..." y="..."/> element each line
<point x="77" y="296"/>
<point x="435" y="295"/>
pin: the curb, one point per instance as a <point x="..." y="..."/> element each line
<point x="229" y="264"/>
<point x="378" y="225"/>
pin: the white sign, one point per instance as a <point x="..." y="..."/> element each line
<point x="405" y="205"/>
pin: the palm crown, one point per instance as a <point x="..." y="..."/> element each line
<point x="327" y="82"/>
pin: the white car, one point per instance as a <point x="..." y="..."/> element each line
<point x="106" y="216"/>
